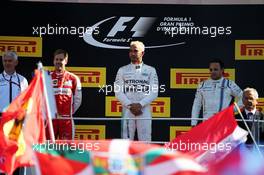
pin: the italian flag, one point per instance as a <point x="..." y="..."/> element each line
<point x="22" y="125"/>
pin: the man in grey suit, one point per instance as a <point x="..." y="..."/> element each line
<point x="250" y="112"/>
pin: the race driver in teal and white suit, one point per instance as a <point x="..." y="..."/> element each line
<point x="215" y="94"/>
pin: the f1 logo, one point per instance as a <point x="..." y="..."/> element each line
<point x="140" y="28"/>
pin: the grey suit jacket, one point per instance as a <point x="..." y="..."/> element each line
<point x="254" y="125"/>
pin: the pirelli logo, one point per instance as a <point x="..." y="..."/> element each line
<point x="175" y="131"/>
<point x="159" y="107"/>
<point x="260" y="105"/>
<point x="24" y="46"/>
<point x="113" y="107"/>
<point x="89" y="132"/>
<point x="89" y="76"/>
<point x="190" y="78"/>
<point x="249" y="49"/>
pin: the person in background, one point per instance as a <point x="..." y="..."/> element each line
<point x="251" y="113"/>
<point x="11" y="83"/>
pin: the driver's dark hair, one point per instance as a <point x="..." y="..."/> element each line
<point x="222" y="66"/>
<point x="61" y="51"/>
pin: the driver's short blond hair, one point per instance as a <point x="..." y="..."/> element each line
<point x="138" y="43"/>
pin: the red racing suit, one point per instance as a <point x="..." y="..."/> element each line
<point x="68" y="95"/>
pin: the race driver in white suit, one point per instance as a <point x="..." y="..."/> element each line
<point x="215" y="94"/>
<point x="136" y="86"/>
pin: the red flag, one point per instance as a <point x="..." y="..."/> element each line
<point x="50" y="164"/>
<point x="21" y="125"/>
<point x="212" y="139"/>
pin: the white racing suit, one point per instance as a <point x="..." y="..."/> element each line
<point x="136" y="84"/>
<point x="213" y="96"/>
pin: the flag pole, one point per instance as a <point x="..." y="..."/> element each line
<point x="250" y="133"/>
<point x="48" y="118"/>
<point x="37" y="165"/>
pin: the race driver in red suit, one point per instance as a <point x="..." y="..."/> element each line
<point x="68" y="95"/>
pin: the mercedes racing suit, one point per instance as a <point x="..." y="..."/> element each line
<point x="68" y="95"/>
<point x="213" y="96"/>
<point x="136" y="84"/>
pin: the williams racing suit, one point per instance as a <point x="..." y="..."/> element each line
<point x="136" y="84"/>
<point x="213" y="96"/>
<point x="68" y="95"/>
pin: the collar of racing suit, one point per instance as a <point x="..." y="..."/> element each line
<point x="217" y="81"/>
<point x="137" y="66"/>
<point x="59" y="74"/>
